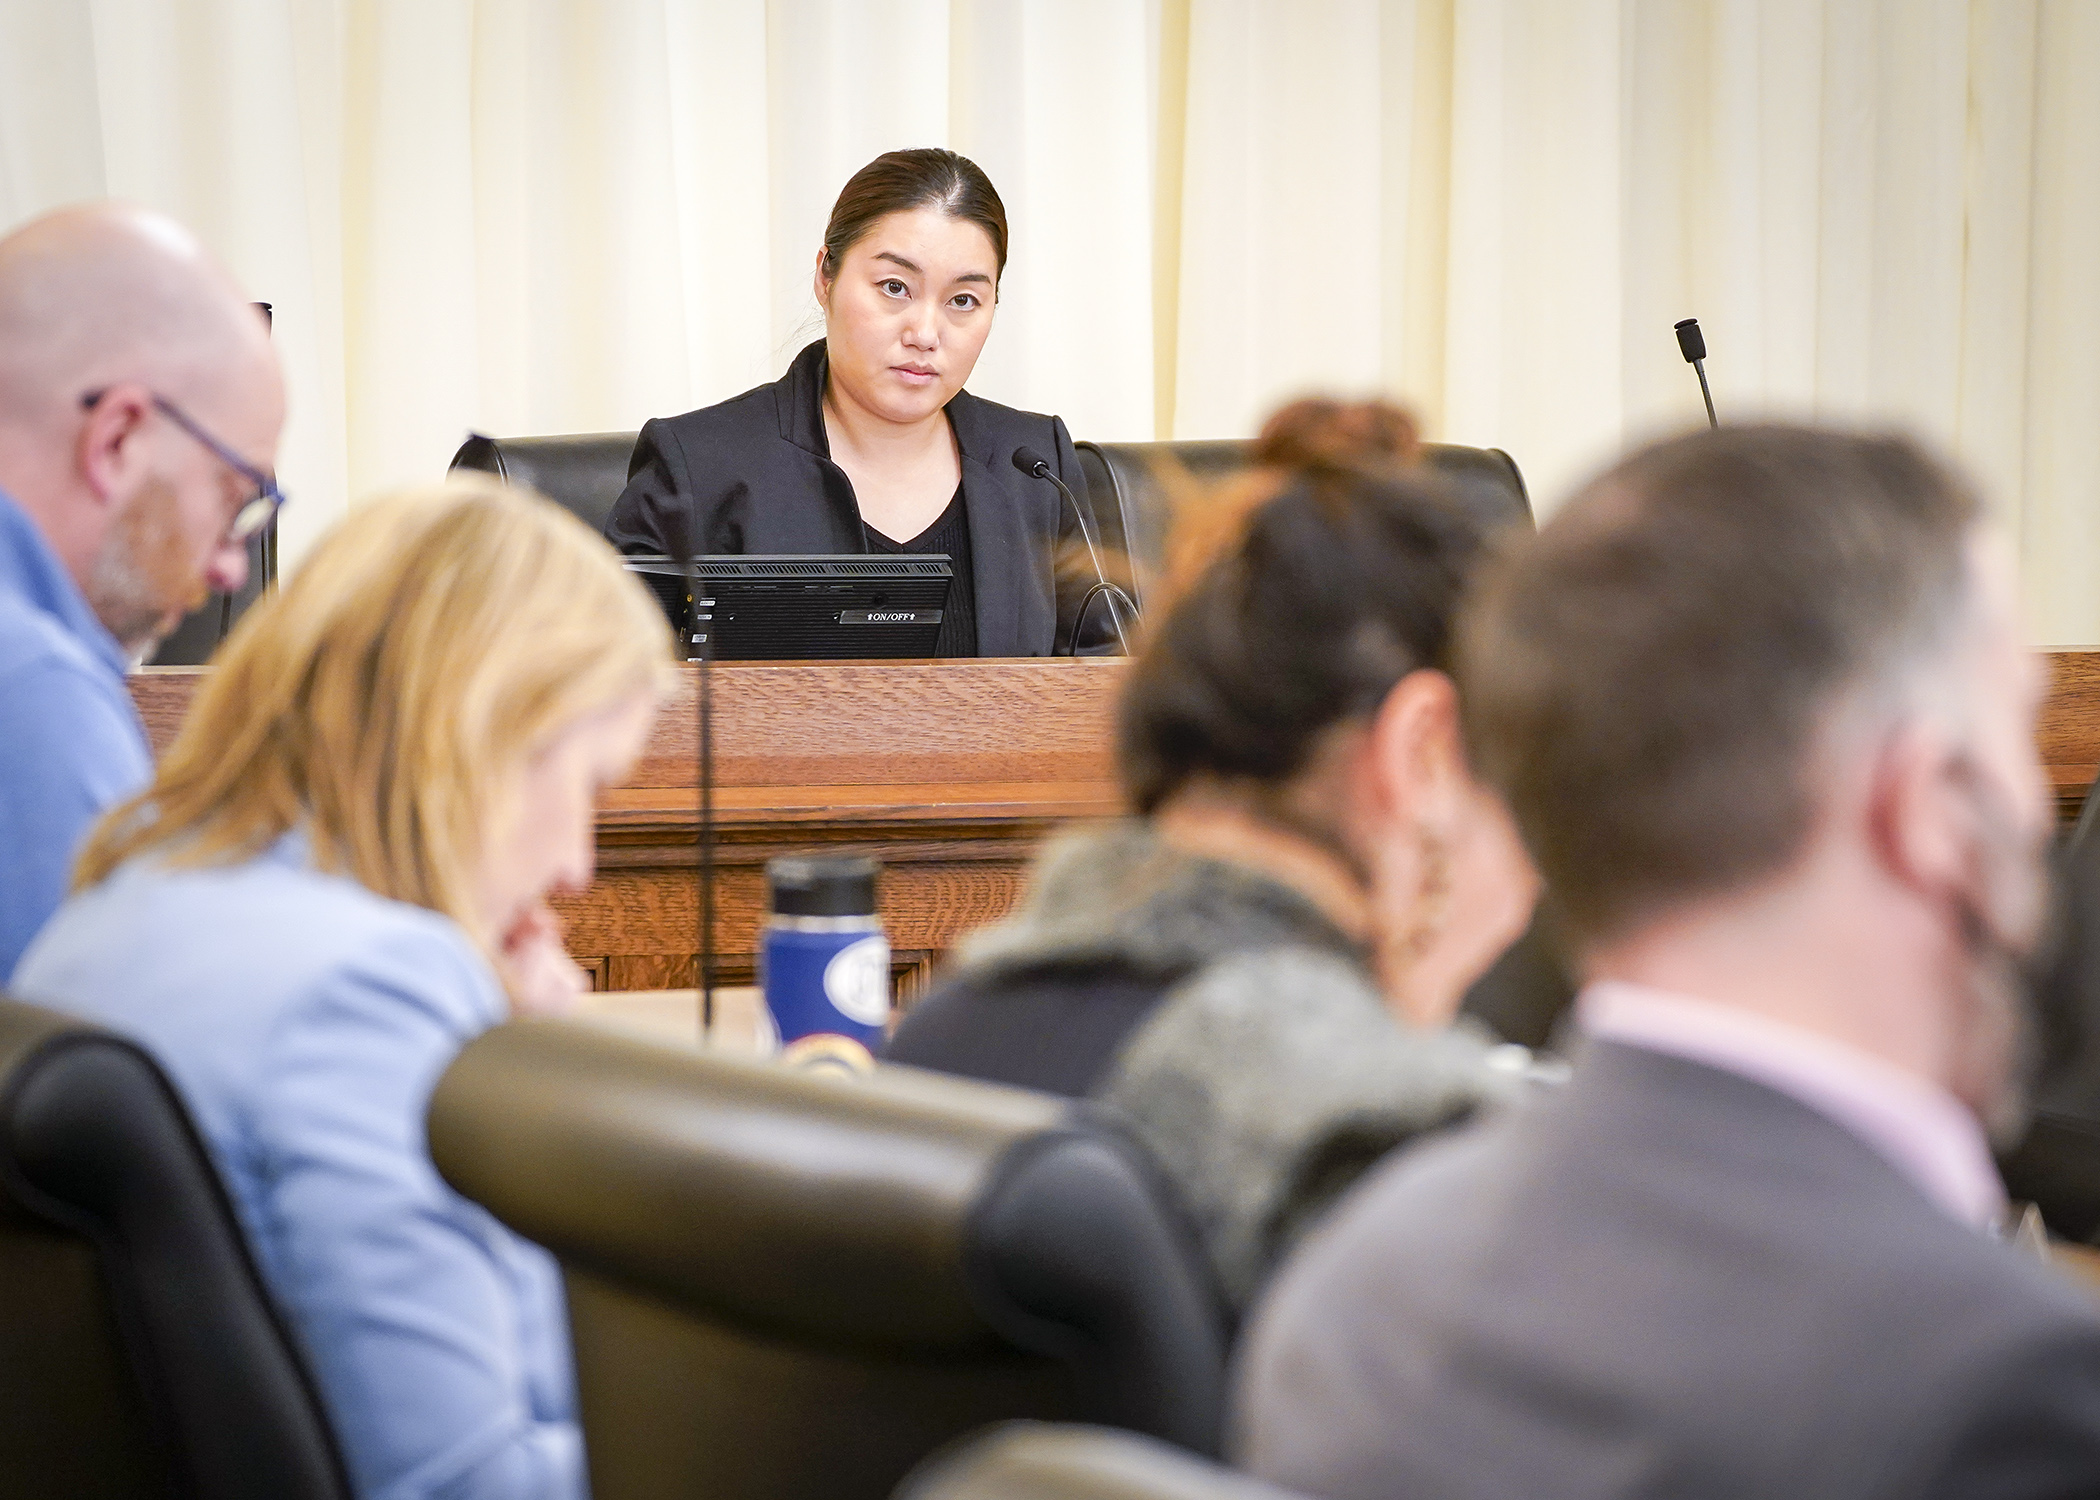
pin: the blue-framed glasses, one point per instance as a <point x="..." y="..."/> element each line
<point x="258" y="510"/>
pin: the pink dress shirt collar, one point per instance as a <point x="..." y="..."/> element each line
<point x="1924" y="1132"/>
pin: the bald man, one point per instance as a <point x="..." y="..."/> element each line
<point x="140" y="407"/>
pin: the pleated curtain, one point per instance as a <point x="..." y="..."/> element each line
<point x="527" y="216"/>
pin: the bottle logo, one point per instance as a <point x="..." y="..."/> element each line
<point x="857" y="981"/>
<point x="828" y="1054"/>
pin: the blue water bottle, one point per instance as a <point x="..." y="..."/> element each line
<point x="824" y="960"/>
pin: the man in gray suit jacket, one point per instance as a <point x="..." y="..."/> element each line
<point x="1758" y="701"/>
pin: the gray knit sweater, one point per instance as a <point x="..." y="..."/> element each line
<point x="1270" y="1074"/>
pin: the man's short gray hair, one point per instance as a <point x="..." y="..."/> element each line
<point x="1647" y="680"/>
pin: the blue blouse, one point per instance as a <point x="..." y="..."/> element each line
<point x="306" y="1021"/>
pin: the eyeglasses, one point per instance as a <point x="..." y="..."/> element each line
<point x="258" y="510"/>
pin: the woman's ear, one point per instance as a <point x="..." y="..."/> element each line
<point x="819" y="283"/>
<point x="1455" y="885"/>
<point x="1417" y="759"/>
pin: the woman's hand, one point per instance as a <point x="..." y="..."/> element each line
<point x="537" y="971"/>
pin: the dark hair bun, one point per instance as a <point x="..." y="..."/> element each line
<point x="1295" y="597"/>
<point x="1319" y="433"/>
<point x="1315" y="438"/>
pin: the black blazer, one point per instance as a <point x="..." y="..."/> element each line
<point x="756" y="471"/>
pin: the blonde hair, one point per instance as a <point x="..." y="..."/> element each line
<point x="416" y="660"/>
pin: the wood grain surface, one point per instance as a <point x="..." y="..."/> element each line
<point x="2069" y="734"/>
<point x="924" y="905"/>
<point x="163" y="697"/>
<point x="821" y="730"/>
<point x="797" y="724"/>
<point x="950" y="773"/>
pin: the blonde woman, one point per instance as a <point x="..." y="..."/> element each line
<point x="336" y="880"/>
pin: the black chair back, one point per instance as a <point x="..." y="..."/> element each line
<point x="1134" y="502"/>
<point x="1527" y="993"/>
<point x="582" y="472"/>
<point x="585" y="473"/>
<point x="139" y="1351"/>
<point x="1042" y="1461"/>
<point x="784" y="1286"/>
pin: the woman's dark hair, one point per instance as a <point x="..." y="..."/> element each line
<point x="899" y="181"/>
<point x="1312" y="589"/>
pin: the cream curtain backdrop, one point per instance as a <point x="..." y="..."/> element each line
<point x="569" y="215"/>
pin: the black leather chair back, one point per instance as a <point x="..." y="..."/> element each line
<point x="139" y="1351"/>
<point x="1042" y="1461"/>
<point x="1133" y="497"/>
<point x="1526" y="994"/>
<point x="585" y="473"/>
<point x="582" y="472"/>
<point x="784" y="1286"/>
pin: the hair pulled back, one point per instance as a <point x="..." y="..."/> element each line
<point x="1319" y="432"/>
<point x="1296" y="598"/>
<point x="900" y="181"/>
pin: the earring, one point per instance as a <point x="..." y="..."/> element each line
<point x="1402" y="946"/>
<point x="1432" y="908"/>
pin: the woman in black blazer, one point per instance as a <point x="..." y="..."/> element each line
<point x="869" y="443"/>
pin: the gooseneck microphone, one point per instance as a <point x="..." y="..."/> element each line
<point x="1692" y="344"/>
<point x="701" y="633"/>
<point x="1035" y="466"/>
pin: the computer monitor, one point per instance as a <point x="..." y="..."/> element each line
<point x="831" y="608"/>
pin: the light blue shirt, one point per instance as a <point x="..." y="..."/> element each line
<point x="70" y="739"/>
<point x="306" y="1022"/>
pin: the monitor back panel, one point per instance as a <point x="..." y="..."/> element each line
<point x="852" y="607"/>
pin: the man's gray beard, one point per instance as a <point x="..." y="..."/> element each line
<point x="2000" y="1051"/>
<point x="2001" y="924"/>
<point x="115" y="585"/>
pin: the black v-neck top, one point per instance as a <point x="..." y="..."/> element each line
<point x="950" y="534"/>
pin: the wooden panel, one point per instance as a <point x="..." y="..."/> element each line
<point x="667" y="971"/>
<point x="2069" y="734"/>
<point x="651" y="815"/>
<point x="875" y="723"/>
<point x="818" y="729"/>
<point x="948" y="772"/>
<point x="163" y="698"/>
<point x="924" y="906"/>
